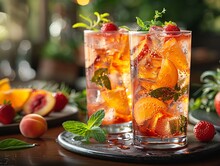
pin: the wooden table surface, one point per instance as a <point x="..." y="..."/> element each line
<point x="49" y="151"/>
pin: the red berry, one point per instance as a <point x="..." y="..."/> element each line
<point x="7" y="113"/>
<point x="171" y="27"/>
<point x="61" y="101"/>
<point x="217" y="103"/>
<point x="109" y="27"/>
<point x="204" y="131"/>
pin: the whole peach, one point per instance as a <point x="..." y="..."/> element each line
<point x="33" y="126"/>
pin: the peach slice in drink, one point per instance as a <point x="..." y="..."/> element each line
<point x="146" y="108"/>
<point x="168" y="75"/>
<point x="117" y="99"/>
<point x="172" y="51"/>
<point x="149" y="68"/>
<point x="140" y="50"/>
<point x="162" y="127"/>
<point x="168" y="126"/>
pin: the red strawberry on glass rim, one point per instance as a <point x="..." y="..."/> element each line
<point x="61" y="101"/>
<point x="7" y="113"/>
<point x="109" y="27"/>
<point x="171" y="26"/>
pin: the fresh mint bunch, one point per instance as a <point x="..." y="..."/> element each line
<point x="92" y="24"/>
<point x="85" y="131"/>
<point x="145" y="25"/>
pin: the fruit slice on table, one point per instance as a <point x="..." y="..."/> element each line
<point x="168" y="75"/>
<point x="17" y="97"/>
<point x="4" y="84"/>
<point x="117" y="99"/>
<point x="146" y="108"/>
<point x="40" y="102"/>
<point x="174" y="53"/>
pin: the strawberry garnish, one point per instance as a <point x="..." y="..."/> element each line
<point x="109" y="27"/>
<point x="204" y="131"/>
<point x="171" y="26"/>
<point x="7" y="113"/>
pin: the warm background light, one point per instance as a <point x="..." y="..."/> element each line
<point x="83" y="2"/>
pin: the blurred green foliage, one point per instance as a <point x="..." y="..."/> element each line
<point x="59" y="51"/>
<point x="196" y="15"/>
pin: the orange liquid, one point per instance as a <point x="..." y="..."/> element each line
<point x="108" y="51"/>
<point x="160" y="79"/>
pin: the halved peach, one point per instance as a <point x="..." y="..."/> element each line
<point x="40" y="102"/>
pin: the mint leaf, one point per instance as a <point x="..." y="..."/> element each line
<point x="97" y="133"/>
<point x="174" y="126"/>
<point x="90" y="130"/>
<point x="163" y="93"/>
<point x="159" y="14"/>
<point x="78" y="138"/>
<point x="80" y="25"/>
<point x="92" y="24"/>
<point x="167" y="93"/>
<point x="96" y="119"/>
<point x="12" y="143"/>
<point x="75" y="127"/>
<point x="178" y="125"/>
<point x="145" y="25"/>
<point x="141" y="23"/>
<point x="101" y="78"/>
<point x="183" y="123"/>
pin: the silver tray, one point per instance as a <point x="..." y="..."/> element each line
<point x="124" y="151"/>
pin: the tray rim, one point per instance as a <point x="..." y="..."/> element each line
<point x="184" y="157"/>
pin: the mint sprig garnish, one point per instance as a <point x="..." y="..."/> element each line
<point x="92" y="24"/>
<point x="12" y="144"/>
<point x="145" y="25"/>
<point x="101" y="78"/>
<point x="85" y="131"/>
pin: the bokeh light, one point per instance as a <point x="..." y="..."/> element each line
<point x="83" y="2"/>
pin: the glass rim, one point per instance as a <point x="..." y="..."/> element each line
<point x="162" y="32"/>
<point x="108" y="32"/>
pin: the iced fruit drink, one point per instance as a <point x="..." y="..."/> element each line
<point x="107" y="62"/>
<point x="160" y="74"/>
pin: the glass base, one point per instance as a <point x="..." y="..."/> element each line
<point x="118" y="128"/>
<point x="143" y="142"/>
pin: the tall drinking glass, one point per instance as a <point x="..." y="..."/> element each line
<point x="107" y="62"/>
<point x="160" y="76"/>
